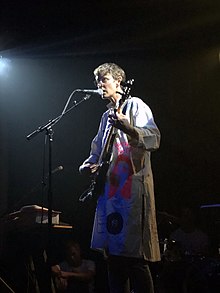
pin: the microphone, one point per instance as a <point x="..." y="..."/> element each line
<point x="59" y="168"/>
<point x="91" y="92"/>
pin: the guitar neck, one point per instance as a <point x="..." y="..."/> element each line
<point x="107" y="148"/>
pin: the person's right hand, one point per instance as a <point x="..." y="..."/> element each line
<point x="88" y="169"/>
<point x="55" y="269"/>
<point x="94" y="168"/>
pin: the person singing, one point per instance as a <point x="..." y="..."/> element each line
<point x="125" y="221"/>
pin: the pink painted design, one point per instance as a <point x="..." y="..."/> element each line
<point x="120" y="178"/>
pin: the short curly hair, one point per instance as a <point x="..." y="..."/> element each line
<point x="112" y="68"/>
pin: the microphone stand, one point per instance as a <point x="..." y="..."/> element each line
<point x="49" y="132"/>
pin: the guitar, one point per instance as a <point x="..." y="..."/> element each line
<point x="97" y="185"/>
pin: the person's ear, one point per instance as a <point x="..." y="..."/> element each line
<point x="118" y="81"/>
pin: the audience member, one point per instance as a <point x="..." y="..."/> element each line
<point x="74" y="274"/>
<point x="191" y="239"/>
<point x="183" y="257"/>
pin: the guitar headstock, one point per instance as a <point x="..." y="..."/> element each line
<point x="126" y="90"/>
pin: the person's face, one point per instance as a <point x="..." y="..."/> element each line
<point x="73" y="255"/>
<point x="109" y="85"/>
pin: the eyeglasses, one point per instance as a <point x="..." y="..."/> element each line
<point x="103" y="80"/>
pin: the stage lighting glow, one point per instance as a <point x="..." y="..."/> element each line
<point x="4" y="66"/>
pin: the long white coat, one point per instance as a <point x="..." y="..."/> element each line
<point x="125" y="220"/>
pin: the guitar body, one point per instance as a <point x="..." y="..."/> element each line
<point x="97" y="184"/>
<point x="99" y="179"/>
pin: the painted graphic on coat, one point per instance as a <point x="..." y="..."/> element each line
<point x="120" y="179"/>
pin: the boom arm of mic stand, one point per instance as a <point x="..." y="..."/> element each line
<point x="42" y="128"/>
<point x="55" y="120"/>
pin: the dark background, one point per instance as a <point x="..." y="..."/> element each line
<point x="170" y="48"/>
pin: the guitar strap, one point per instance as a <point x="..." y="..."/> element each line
<point x="130" y="114"/>
<point x="125" y="108"/>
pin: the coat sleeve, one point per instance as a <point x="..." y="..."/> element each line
<point x="96" y="145"/>
<point x="142" y="119"/>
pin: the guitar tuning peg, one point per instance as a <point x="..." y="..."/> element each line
<point x="128" y="83"/>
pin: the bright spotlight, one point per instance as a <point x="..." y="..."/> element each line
<point x="4" y="66"/>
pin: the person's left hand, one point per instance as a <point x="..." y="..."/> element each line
<point x="120" y="121"/>
<point x="64" y="275"/>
